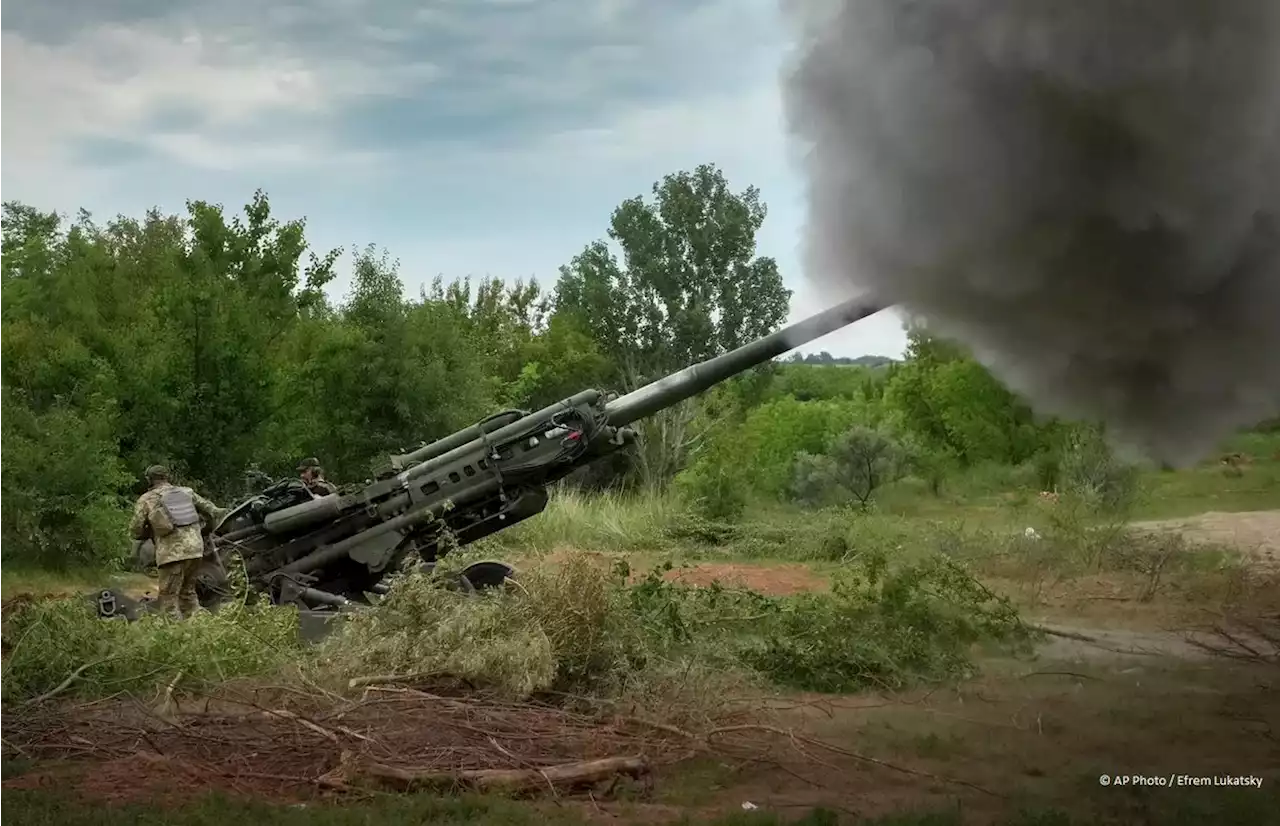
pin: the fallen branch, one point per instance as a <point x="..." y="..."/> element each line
<point x="15" y="748"/>
<point x="389" y="679"/>
<point x="1095" y="642"/>
<point x="1066" y="635"/>
<point x="65" y="684"/>
<point x="1075" y="674"/>
<point x="305" y="723"/>
<point x="564" y="776"/>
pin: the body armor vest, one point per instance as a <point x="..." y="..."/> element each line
<point x="179" y="507"/>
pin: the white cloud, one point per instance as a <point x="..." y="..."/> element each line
<point x="238" y="155"/>
<point x="117" y="83"/>
<point x="110" y="81"/>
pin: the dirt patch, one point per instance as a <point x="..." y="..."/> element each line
<point x="123" y="751"/>
<point x="1023" y="731"/>
<point x="1255" y="533"/>
<point x="151" y="779"/>
<point x="1041" y="731"/>
<point x="774" y="580"/>
<point x="1075" y="643"/>
<point x="780" y="579"/>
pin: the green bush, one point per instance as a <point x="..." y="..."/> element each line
<point x="48" y="640"/>
<point x="570" y="626"/>
<point x="1090" y="471"/>
<point x="716" y="488"/>
<point x="856" y="465"/>
<point x="577" y="626"/>
<point x="884" y="627"/>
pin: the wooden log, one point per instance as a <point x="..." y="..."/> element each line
<point x="563" y="776"/>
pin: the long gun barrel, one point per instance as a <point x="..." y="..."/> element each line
<point x="690" y="381"/>
<point x="331" y="551"/>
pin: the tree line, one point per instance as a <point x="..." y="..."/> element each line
<point x="206" y="341"/>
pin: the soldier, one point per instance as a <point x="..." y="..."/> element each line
<point x="312" y="476"/>
<point x="169" y="515"/>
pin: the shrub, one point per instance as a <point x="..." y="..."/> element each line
<point x="858" y="463"/>
<point x="884" y="627"/>
<point x="48" y="640"/>
<point x="1090" y="471"/>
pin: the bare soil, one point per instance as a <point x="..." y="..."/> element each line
<point x="268" y="743"/>
<point x="776" y="580"/>
<point x="1042" y="730"/>
<point x="1256" y="533"/>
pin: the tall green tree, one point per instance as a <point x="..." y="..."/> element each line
<point x="954" y="407"/>
<point x="383" y="373"/>
<point x="688" y="287"/>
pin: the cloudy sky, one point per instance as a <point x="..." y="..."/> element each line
<point x="468" y="137"/>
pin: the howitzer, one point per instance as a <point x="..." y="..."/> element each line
<point x="328" y="552"/>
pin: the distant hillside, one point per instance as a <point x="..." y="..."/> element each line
<point x="826" y="358"/>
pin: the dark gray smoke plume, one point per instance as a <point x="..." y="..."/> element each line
<point x="1086" y="192"/>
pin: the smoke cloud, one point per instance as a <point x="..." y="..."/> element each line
<point x="1086" y="193"/>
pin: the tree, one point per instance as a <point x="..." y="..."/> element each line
<point x="382" y="374"/>
<point x="952" y="406"/>
<point x="860" y="462"/>
<point x="690" y="287"/>
<point x="235" y="290"/>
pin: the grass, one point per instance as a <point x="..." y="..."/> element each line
<point x="986" y="507"/>
<point x="1174" y="808"/>
<point x="1069" y="540"/>
<point x="1172" y="495"/>
<point x="604" y="521"/>
<point x="49" y="640"/>
<point x="906" y="515"/>
<point x="37" y="583"/>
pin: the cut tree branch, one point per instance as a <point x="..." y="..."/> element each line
<point x="564" y="776"/>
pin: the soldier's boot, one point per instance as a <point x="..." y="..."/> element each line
<point x="167" y="606"/>
<point x="188" y="606"/>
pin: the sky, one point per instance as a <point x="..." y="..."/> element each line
<point x="483" y="138"/>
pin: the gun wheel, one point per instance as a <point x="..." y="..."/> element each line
<point x="484" y="576"/>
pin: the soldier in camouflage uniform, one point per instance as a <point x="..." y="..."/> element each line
<point x="170" y="516"/>
<point x="312" y="476"/>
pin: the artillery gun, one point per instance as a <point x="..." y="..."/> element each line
<point x="326" y="553"/>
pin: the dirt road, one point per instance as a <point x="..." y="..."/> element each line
<point x="1256" y="533"/>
